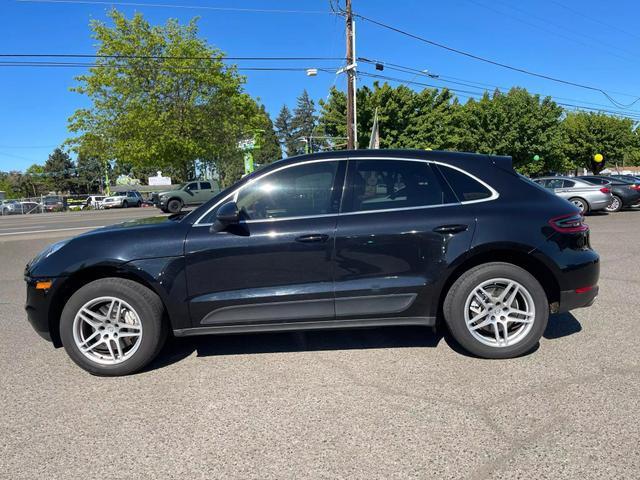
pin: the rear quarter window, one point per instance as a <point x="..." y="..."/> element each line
<point x="465" y="187"/>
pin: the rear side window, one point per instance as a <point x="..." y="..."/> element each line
<point x="205" y="186"/>
<point x="392" y="184"/>
<point x="465" y="187"/>
<point x="569" y="184"/>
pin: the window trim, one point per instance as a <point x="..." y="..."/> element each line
<point x="234" y="195"/>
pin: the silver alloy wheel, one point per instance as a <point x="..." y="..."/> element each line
<point x="107" y="330"/>
<point x="499" y="312"/>
<point x="580" y="204"/>
<point x="614" y="205"/>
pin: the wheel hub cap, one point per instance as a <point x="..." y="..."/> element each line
<point x="499" y="312"/>
<point x="107" y="330"/>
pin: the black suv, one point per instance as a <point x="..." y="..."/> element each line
<point x="333" y="240"/>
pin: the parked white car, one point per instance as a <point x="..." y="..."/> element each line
<point x="94" y="201"/>
<point x="130" y="198"/>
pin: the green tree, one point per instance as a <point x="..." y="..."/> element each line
<point x="285" y="131"/>
<point x="60" y="171"/>
<point x="269" y="150"/>
<point x="161" y="99"/>
<point x="303" y="126"/>
<point x="589" y="133"/>
<point x="90" y="173"/>
<point x="518" y="124"/>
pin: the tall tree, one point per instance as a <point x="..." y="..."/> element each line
<point x="270" y="150"/>
<point x="285" y="131"/>
<point x="303" y="125"/>
<point x="60" y="170"/>
<point x="161" y="99"/>
<point x="591" y="133"/>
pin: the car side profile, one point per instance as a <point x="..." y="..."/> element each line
<point x="363" y="238"/>
<point x="130" y="198"/>
<point x="188" y="194"/>
<point x="583" y="194"/>
<point x="625" y="193"/>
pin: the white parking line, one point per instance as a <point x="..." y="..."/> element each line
<point x="51" y="230"/>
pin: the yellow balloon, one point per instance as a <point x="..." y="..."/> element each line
<point x="598" y="157"/>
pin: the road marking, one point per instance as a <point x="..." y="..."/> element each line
<point x="51" y="230"/>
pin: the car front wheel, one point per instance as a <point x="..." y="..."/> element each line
<point x="112" y="326"/>
<point x="496" y="310"/>
<point x="174" y="205"/>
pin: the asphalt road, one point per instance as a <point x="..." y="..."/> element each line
<point x="386" y="403"/>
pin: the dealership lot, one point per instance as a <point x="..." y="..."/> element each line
<point x="384" y="403"/>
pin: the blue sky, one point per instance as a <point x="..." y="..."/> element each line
<point x="585" y="41"/>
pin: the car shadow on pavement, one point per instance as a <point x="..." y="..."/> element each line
<point x="177" y="349"/>
<point x="561" y="325"/>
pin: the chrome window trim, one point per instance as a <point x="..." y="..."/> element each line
<point x="234" y="194"/>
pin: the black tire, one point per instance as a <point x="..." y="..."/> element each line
<point x="164" y="210"/>
<point x="174" y="205"/>
<point x="454" y="306"/>
<point x="581" y="203"/>
<point x="615" y="205"/>
<point x="125" y="204"/>
<point x="150" y="312"/>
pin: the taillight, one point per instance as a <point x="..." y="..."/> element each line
<point x="605" y="190"/>
<point x="571" y="223"/>
<point x="635" y="187"/>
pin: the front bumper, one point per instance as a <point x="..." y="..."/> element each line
<point x="572" y="299"/>
<point x="37" y="306"/>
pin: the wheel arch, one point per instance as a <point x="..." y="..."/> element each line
<point x="77" y="280"/>
<point x="518" y="255"/>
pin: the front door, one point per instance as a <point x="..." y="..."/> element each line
<point x="401" y="224"/>
<point x="276" y="265"/>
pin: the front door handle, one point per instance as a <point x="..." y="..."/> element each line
<point x="312" y="238"/>
<point x="451" y="228"/>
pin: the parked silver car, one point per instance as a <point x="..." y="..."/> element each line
<point x="586" y="196"/>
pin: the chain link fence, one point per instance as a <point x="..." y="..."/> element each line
<point x="49" y="204"/>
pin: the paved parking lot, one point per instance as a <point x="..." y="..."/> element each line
<point x="385" y="403"/>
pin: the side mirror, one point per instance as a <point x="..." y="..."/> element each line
<point x="226" y="215"/>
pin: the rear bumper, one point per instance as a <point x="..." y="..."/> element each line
<point x="571" y="299"/>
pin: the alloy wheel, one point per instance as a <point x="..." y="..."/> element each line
<point x="580" y="204"/>
<point x="614" y="206"/>
<point x="499" y="312"/>
<point x="107" y="330"/>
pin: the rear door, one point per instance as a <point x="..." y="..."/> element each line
<point x="399" y="228"/>
<point x="206" y="191"/>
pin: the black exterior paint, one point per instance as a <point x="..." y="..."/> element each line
<point x="342" y="269"/>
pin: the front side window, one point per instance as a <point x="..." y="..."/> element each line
<point x="392" y="184"/>
<point x="465" y="187"/>
<point x="297" y="191"/>
<point x="191" y="187"/>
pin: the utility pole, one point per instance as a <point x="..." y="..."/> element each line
<point x="350" y="69"/>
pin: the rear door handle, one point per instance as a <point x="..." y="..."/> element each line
<point x="451" y="228"/>
<point x="312" y="237"/>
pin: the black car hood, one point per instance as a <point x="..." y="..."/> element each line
<point x="113" y="245"/>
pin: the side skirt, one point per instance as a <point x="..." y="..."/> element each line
<point x="317" y="325"/>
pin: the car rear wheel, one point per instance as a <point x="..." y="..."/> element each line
<point x="112" y="326"/>
<point x="581" y="204"/>
<point x="496" y="310"/>
<point x="174" y="205"/>
<point x="615" y="205"/>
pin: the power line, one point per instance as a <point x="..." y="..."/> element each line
<point x="170" y="5"/>
<point x="158" y="57"/>
<point x="469" y="94"/>
<point x="474" y="84"/>
<point x="500" y="64"/>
